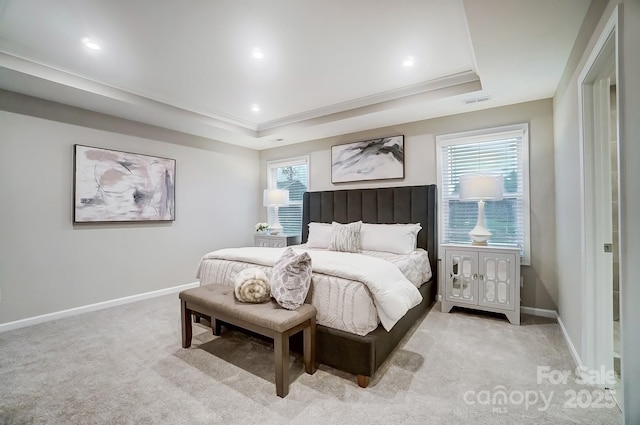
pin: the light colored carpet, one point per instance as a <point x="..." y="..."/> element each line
<point x="125" y="365"/>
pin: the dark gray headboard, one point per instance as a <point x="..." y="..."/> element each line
<point x="407" y="204"/>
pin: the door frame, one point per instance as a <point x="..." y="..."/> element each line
<point x="597" y="293"/>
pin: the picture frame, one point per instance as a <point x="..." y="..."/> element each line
<point x="113" y="186"/>
<point x="373" y="159"/>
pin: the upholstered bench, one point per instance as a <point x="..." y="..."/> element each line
<point x="268" y="319"/>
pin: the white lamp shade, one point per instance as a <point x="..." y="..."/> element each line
<point x="275" y="198"/>
<point x="477" y="187"/>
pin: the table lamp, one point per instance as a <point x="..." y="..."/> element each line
<point x="478" y="187"/>
<point x="275" y="198"/>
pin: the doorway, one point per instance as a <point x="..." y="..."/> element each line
<point x="613" y="152"/>
<point x="599" y="150"/>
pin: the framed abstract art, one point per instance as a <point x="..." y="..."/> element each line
<point x="375" y="159"/>
<point x="115" y="186"/>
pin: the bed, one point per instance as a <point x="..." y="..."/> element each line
<point x="349" y="336"/>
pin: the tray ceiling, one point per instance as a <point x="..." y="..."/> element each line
<point x="328" y="68"/>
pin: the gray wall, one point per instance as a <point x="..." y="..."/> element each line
<point x="47" y="264"/>
<point x="540" y="289"/>
<point x="568" y="180"/>
<point x="629" y="206"/>
<point x="569" y="201"/>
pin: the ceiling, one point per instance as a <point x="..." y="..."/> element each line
<point x="330" y="67"/>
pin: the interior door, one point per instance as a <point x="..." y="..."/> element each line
<point x="604" y="218"/>
<point x="598" y="239"/>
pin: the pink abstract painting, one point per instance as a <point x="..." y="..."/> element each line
<point x="115" y="186"/>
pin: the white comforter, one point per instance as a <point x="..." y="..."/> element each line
<point x="392" y="293"/>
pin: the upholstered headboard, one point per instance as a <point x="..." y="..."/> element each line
<point x="407" y="204"/>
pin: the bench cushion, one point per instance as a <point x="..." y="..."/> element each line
<point x="219" y="298"/>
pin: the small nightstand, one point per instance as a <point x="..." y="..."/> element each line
<point x="276" y="241"/>
<point x="483" y="278"/>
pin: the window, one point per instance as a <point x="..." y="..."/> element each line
<point x="291" y="174"/>
<point x="503" y="150"/>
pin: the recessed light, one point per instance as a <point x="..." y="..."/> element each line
<point x="91" y="44"/>
<point x="409" y="61"/>
<point x="257" y="53"/>
<point x="255" y="107"/>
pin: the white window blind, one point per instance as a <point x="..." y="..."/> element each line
<point x="293" y="175"/>
<point x="501" y="151"/>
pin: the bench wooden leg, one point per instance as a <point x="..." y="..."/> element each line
<point x="186" y="325"/>
<point x="309" y="334"/>
<point x="281" y="354"/>
<point x="216" y="326"/>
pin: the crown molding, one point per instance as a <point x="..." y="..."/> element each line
<point x="467" y="81"/>
<point x="64" y="78"/>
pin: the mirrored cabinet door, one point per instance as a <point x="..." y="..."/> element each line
<point x="461" y="277"/>
<point x="496" y="286"/>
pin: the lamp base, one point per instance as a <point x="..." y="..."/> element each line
<point x="481" y="243"/>
<point x="479" y="236"/>
<point x="275" y="230"/>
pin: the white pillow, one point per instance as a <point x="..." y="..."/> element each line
<point x="319" y="235"/>
<point x="395" y="238"/>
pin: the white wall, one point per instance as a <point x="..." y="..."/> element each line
<point x="569" y="201"/>
<point x="540" y="288"/>
<point x="48" y="264"/>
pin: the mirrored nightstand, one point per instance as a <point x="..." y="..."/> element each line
<point x="276" y="241"/>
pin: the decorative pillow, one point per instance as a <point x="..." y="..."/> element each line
<point x="345" y="237"/>
<point x="395" y="238"/>
<point x="291" y="279"/>
<point x="252" y="286"/>
<point x="319" y="235"/>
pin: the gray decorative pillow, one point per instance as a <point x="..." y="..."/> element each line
<point x="345" y="237"/>
<point x="291" y="279"/>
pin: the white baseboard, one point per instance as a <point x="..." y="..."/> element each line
<point x="572" y="349"/>
<point x="93" y="307"/>
<point x="554" y="315"/>
<point x="540" y="312"/>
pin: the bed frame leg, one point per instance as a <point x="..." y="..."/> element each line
<point x="363" y="381"/>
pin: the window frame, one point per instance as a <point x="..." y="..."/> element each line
<point x="486" y="135"/>
<point x="273" y="165"/>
